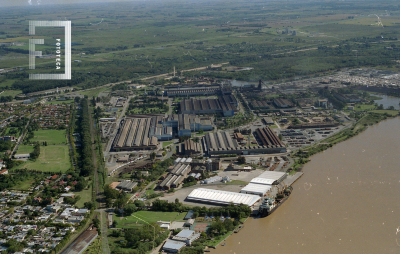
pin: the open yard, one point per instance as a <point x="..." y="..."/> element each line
<point x="50" y="136"/>
<point x="53" y="158"/>
<point x="148" y="216"/>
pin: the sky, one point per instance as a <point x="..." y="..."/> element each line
<point x="4" y="3"/>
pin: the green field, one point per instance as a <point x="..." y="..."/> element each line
<point x="94" y="92"/>
<point x="389" y="112"/>
<point x="147" y="216"/>
<point x="86" y="196"/>
<point x="24" y="149"/>
<point x="25" y="185"/>
<point x="364" y="107"/>
<point x="50" y="136"/>
<point x="167" y="143"/>
<point x="10" y="92"/>
<point x="53" y="158"/>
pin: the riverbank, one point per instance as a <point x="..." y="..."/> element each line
<point x="368" y="119"/>
<point x="334" y="205"/>
<point x="361" y="125"/>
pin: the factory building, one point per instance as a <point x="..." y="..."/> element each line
<point x="222" y="143"/>
<point x="126" y="186"/>
<point x="188" y="123"/>
<point x="269" y="178"/>
<point x="189" y="147"/>
<point x="282" y="103"/>
<point x="134" y="134"/>
<point x="266" y="136"/>
<point x="225" y="104"/>
<point x="256" y="189"/>
<point x="263" y="183"/>
<point x="268" y="121"/>
<point x="192" y="91"/>
<point x="219" y="197"/>
<point x="176" y="176"/>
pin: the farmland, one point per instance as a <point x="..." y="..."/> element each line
<point x="148" y="42"/>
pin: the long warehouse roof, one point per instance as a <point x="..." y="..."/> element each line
<point x="222" y="197"/>
<point x="256" y="189"/>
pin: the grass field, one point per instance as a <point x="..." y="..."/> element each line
<point x="94" y="92"/>
<point x="50" y="136"/>
<point x="24" y="149"/>
<point x="10" y="92"/>
<point x="53" y="158"/>
<point x="86" y="196"/>
<point x="25" y="185"/>
<point x="364" y="107"/>
<point x="147" y="216"/>
<point x="167" y="143"/>
<point x="389" y="112"/>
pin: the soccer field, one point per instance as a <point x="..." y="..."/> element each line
<point x="50" y="136"/>
<point x="53" y="158"/>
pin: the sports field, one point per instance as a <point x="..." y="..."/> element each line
<point x="24" y="149"/>
<point x="52" y="158"/>
<point x="50" y="136"/>
<point x="138" y="218"/>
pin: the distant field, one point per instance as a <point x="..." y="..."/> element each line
<point x="52" y="158"/>
<point x="50" y="136"/>
<point x="148" y="216"/>
<point x="10" y="92"/>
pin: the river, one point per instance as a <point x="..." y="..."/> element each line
<point x="348" y="201"/>
<point x="388" y="101"/>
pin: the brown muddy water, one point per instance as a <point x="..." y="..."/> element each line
<point x="348" y="201"/>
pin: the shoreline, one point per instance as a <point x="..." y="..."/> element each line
<point x="302" y="165"/>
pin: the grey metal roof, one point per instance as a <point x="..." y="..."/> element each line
<point x="173" y="245"/>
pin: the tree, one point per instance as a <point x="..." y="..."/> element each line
<point x="88" y="205"/>
<point x="241" y="160"/>
<point x="152" y="156"/>
<point x="129" y="209"/>
<point x="139" y="203"/>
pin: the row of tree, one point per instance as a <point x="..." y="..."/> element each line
<point x="86" y="158"/>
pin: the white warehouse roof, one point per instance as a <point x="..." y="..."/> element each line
<point x="269" y="177"/>
<point x="256" y="189"/>
<point x="222" y="197"/>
